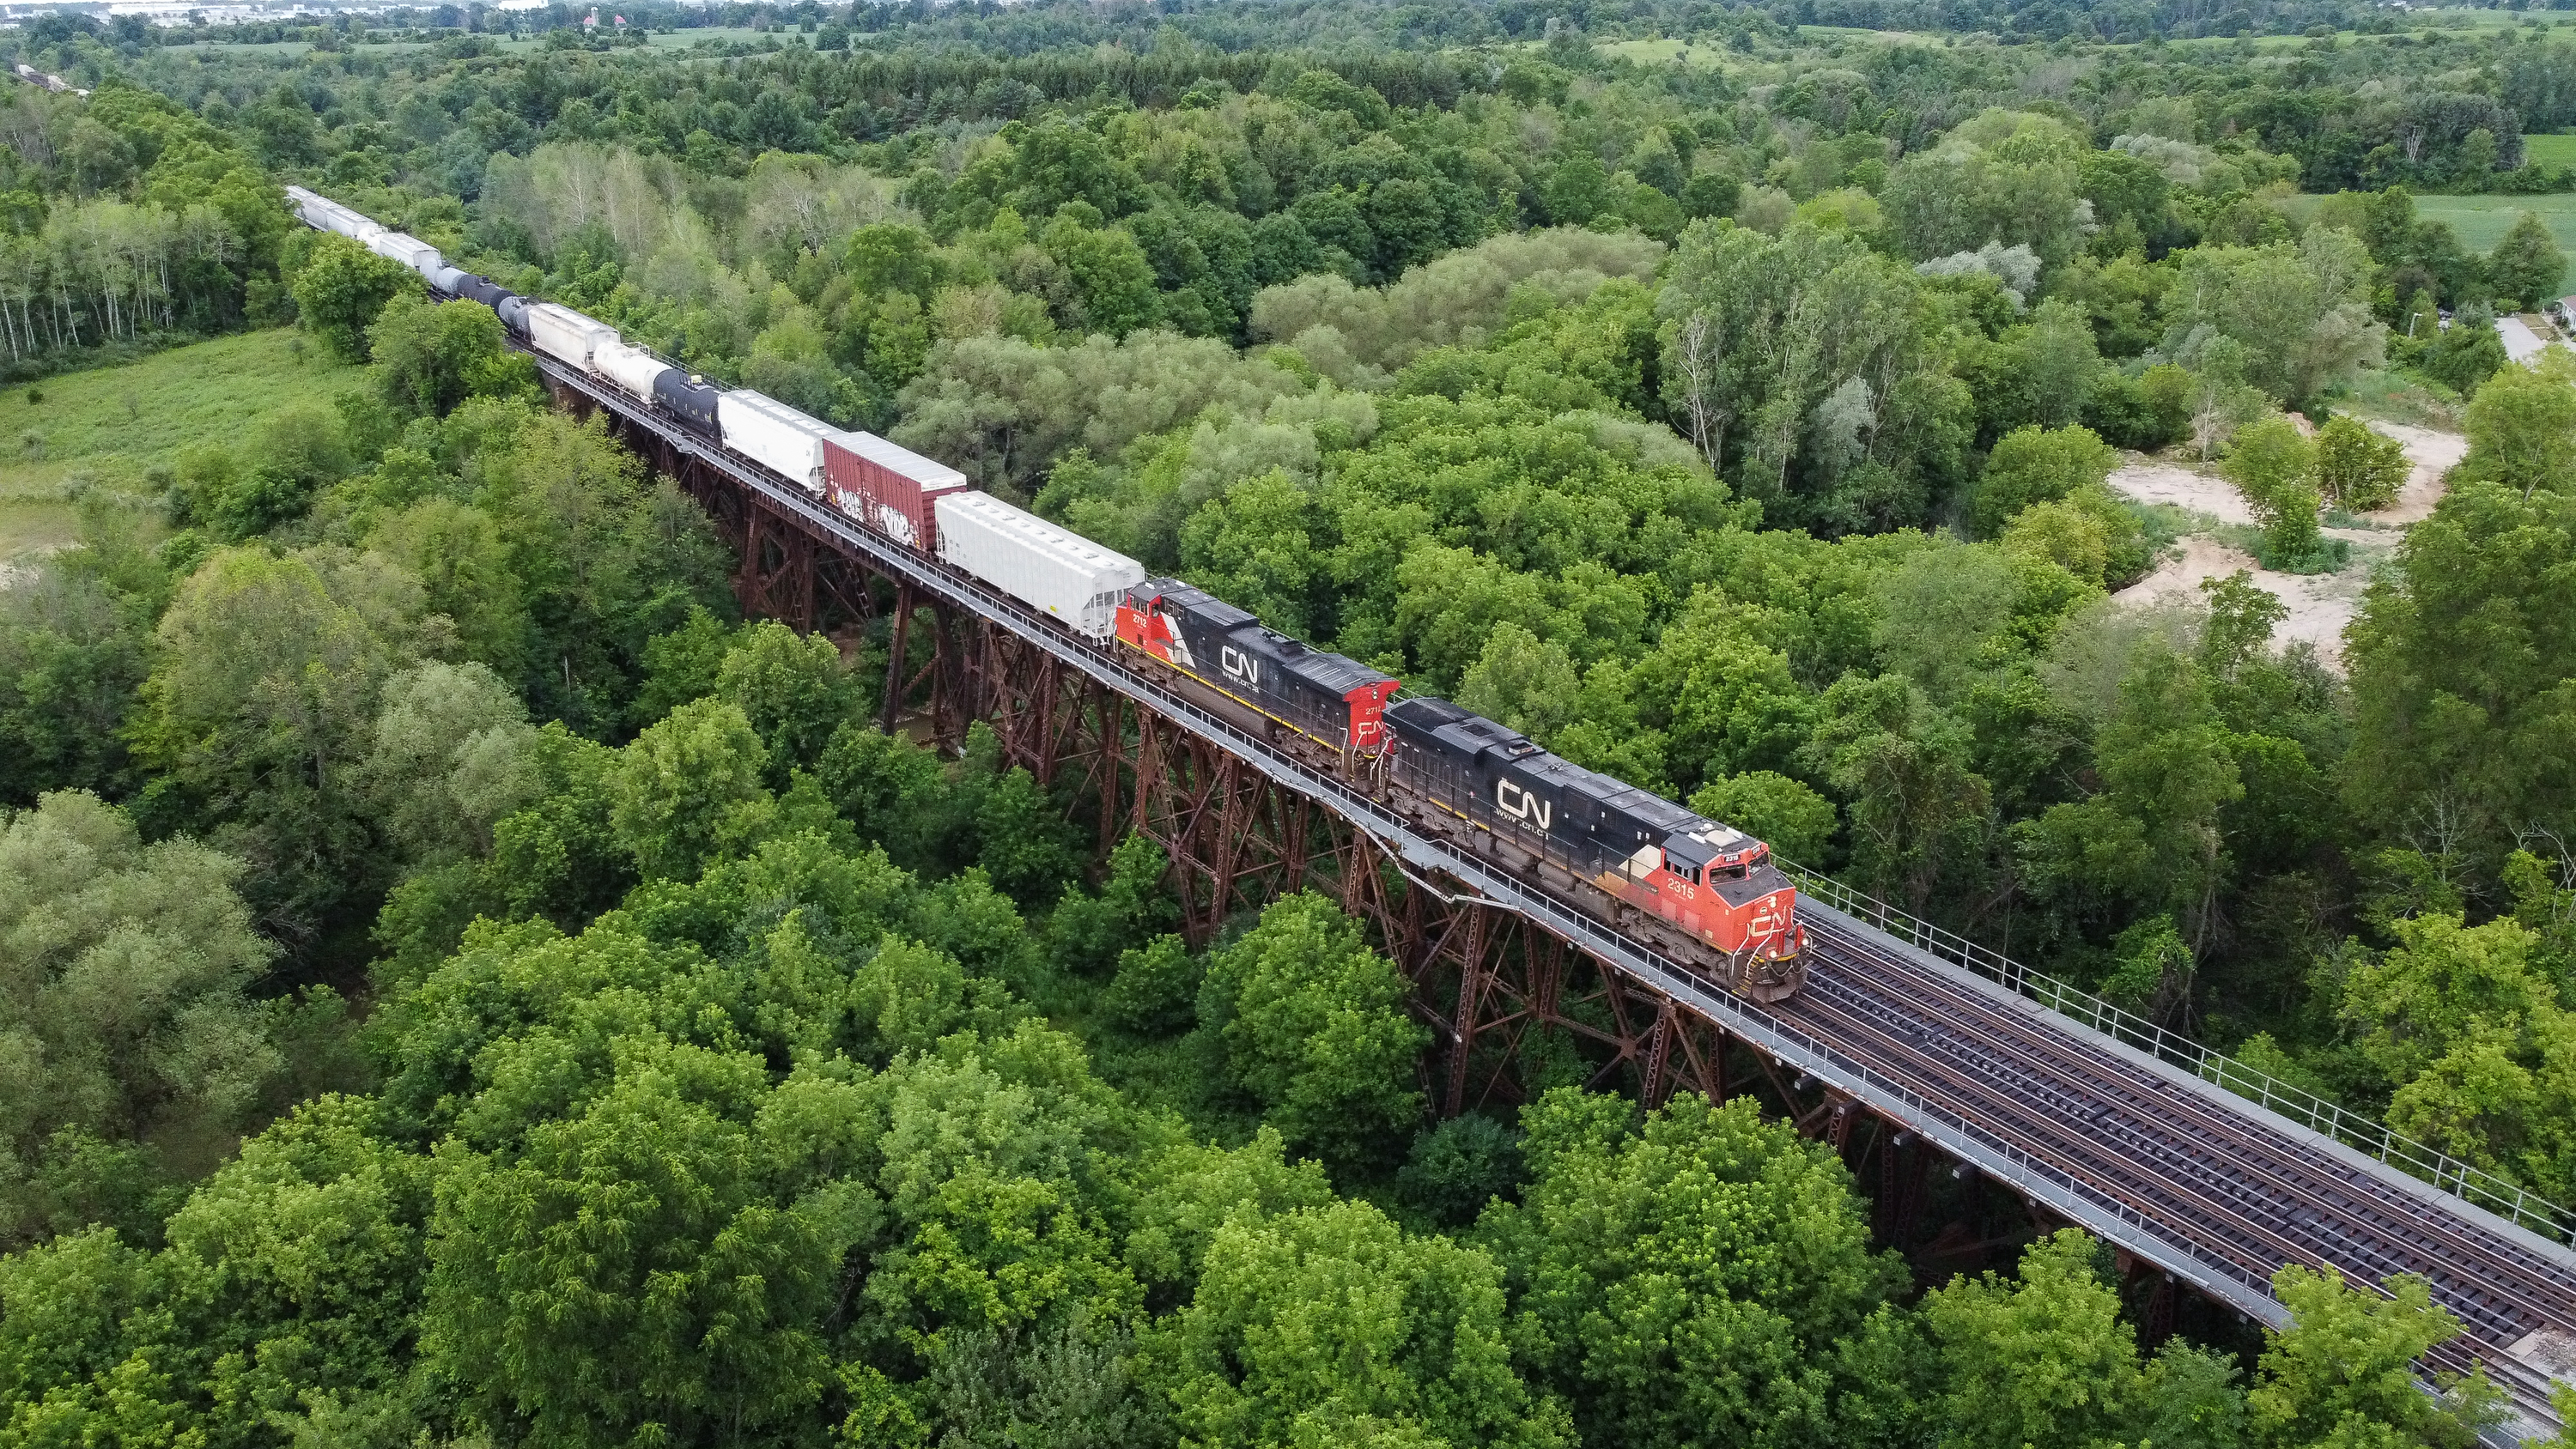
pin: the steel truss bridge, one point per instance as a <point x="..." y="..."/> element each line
<point x="1907" y="1047"/>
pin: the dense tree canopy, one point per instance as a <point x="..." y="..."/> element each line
<point x="460" y="984"/>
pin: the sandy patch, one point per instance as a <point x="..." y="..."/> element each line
<point x="2320" y="604"/>
<point x="2433" y="454"/>
<point x="2161" y="480"/>
<point x="21" y="565"/>
<point x="2151" y="480"/>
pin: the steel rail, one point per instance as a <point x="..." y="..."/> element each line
<point x="2051" y="1122"/>
<point x="2542" y="1285"/>
<point x="2499" y="1289"/>
<point x="2445" y="1174"/>
<point x="1952" y="1077"/>
<point x="2019" y="1070"/>
<point x="2115" y="1206"/>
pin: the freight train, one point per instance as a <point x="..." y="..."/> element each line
<point x="1705" y="892"/>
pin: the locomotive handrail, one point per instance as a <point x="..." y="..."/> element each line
<point x="2434" y="1168"/>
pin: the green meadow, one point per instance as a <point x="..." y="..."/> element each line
<point x="2480" y="221"/>
<point x="107" y="427"/>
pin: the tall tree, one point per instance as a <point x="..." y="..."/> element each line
<point x="2526" y="265"/>
<point x="2462" y="681"/>
<point x="1314" y="1028"/>
<point x="260" y="709"/>
<point x="2344" y="1371"/>
<point x="124" y="1005"/>
<point x="342" y="289"/>
<point x="2522" y="429"/>
<point x="1333" y="1325"/>
<point x="1652" y="1265"/>
<point x="1803" y="364"/>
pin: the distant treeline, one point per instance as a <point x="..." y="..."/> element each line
<point x="1239" y="25"/>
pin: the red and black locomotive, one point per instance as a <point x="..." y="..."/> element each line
<point x="1330" y="698"/>
<point x="1677" y="873"/>
<point x="1704" y="889"/>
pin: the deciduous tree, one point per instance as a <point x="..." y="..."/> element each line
<point x="342" y="289"/>
<point x="2522" y="429"/>
<point x="1329" y="1324"/>
<point x="2526" y="265"/>
<point x="124" y="991"/>
<point x="1649" y="1264"/>
<point x="2344" y="1371"/>
<point x="2275" y="469"/>
<point x="1315" y="1029"/>
<point x="2359" y="469"/>
<point x="2461" y="679"/>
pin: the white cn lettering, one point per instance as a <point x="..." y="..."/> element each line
<point x="1520" y="804"/>
<point x="1238" y="665"/>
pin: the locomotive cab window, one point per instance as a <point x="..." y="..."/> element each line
<point x="1688" y="858"/>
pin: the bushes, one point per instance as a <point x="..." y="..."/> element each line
<point x="2276" y="470"/>
<point x="2467" y="352"/>
<point x="2037" y="465"/>
<point x="2357" y="468"/>
<point x="341" y="290"/>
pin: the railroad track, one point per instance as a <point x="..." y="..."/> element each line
<point x="2249" y="1199"/>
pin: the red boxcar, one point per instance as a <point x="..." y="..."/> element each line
<point x="888" y="487"/>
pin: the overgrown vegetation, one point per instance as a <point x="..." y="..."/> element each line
<point x="458" y="983"/>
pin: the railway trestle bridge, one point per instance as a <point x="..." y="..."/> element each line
<point x="1908" y="1047"/>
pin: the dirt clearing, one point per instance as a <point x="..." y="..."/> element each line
<point x="2320" y="604"/>
<point x="2152" y="480"/>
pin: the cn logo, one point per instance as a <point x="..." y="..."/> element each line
<point x="1238" y="665"/>
<point x="1521" y="805"/>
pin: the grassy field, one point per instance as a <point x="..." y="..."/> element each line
<point x="1708" y="55"/>
<point x="2415" y="23"/>
<point x="2400" y="399"/>
<point x="2549" y="150"/>
<point x="102" y="429"/>
<point x="2480" y="221"/>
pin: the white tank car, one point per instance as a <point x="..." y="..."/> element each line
<point x="1045" y="567"/>
<point x="631" y="368"/>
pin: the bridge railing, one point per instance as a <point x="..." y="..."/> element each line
<point x="2466" y="1181"/>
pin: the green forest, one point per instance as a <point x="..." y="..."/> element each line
<point x="461" y="983"/>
